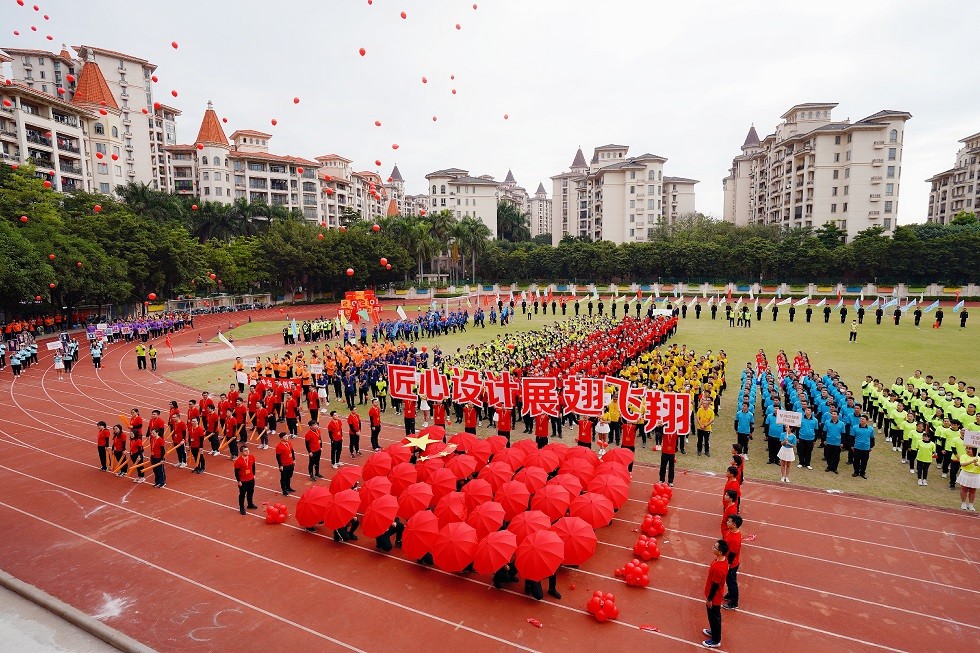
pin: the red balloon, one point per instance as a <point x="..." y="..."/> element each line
<point x="200" y="146"/>
<point x="388" y="267"/>
<point x="376" y="227"/>
<point x="474" y="7"/>
<point x="193" y="207"/>
<point x="377" y="162"/>
<point x="37" y="298"/>
<point x="145" y="112"/>
<point x="47" y="184"/>
<point x="384" y="260"/>
<point x="98" y="155"/>
<point x="156" y="106"/>
<point x="61" y="91"/>
<point x="329" y="191"/>
<point x="224" y="120"/>
<point x="377" y="123"/>
<point x="70" y="78"/>
<point x="506" y="116"/>
<point x="155" y="78"/>
<point x="299" y="170"/>
<point x="327" y="177"/>
<point x="343" y="230"/>
<point x="452" y="77"/>
<point x="458" y="26"/>
<point x="422" y="212"/>
<point x="404" y="15"/>
<point x="79" y="264"/>
<point x="425" y="81"/>
<point x="319" y="236"/>
<point x="323" y="223"/>
<point x="16" y="33"/>
<point x="213" y="276"/>
<point x="103" y="112"/>
<point x="51" y="285"/>
<point x="394" y="146"/>
<point x="51" y="256"/>
<point x="274" y="122"/>
<point x="362" y="52"/>
<point x="174" y="92"/>
<point x="97" y="208"/>
<point x="23" y="218"/>
<point x="454" y="91"/>
<point x="173" y="44"/>
<point x="151" y="296"/>
<point x="33" y="29"/>
<point x="114" y="157"/>
<point x="295" y="100"/>
<point x="350" y="272"/>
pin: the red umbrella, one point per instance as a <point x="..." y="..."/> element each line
<point x="454" y="547"/>
<point x="497" y="443"/>
<point x="494" y="551"/>
<point x="569" y="482"/>
<point x="482" y="452"/>
<point x="379" y="517"/>
<point x="486" y="518"/>
<point x="477" y="491"/>
<point x="342" y="509"/>
<point x="379" y="464"/>
<point x="560" y="449"/>
<point x="579" y="538"/>
<point x="496" y="473"/>
<point x="416" y="497"/>
<point x="525" y="445"/>
<point x="420" y="534"/>
<point x="443" y="482"/>
<point x="534" y="478"/>
<point x="345" y="478"/>
<point x="373" y="488"/>
<point x="578" y="467"/>
<point x="619" y="455"/>
<point x="434" y="448"/>
<point x="546" y="459"/>
<point x="585" y="453"/>
<point x="513" y="457"/>
<point x="513" y="496"/>
<point x="427" y="466"/>
<point x="593" y="507"/>
<point x="463" y="441"/>
<point x="399" y="453"/>
<point x="527" y="522"/>
<point x="401" y="476"/>
<point x="312" y="505"/>
<point x="450" y="508"/>
<point x="434" y="432"/>
<point x="462" y="466"/>
<point x="552" y="500"/>
<point x="540" y="555"/>
<point x="610" y="467"/>
<point x="611" y="486"/>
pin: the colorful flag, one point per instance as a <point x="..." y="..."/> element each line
<point x="909" y="305"/>
<point x="890" y="303"/>
<point x="788" y="300"/>
<point x="294" y="329"/>
<point x="857" y="305"/>
<point x="959" y="304"/>
<point x="751" y="294"/>
<point x="401" y="312"/>
<point x="772" y="302"/>
<point x="874" y="304"/>
<point x="822" y="302"/>
<point x="840" y="304"/>
<point x="694" y="301"/>
<point x="779" y="292"/>
<point x="802" y="302"/>
<point x="931" y="307"/>
<point x="170" y="344"/>
<point x="225" y="340"/>
<point x="364" y="315"/>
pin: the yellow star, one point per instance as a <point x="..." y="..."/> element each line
<point x="420" y="443"/>
<point x="448" y="451"/>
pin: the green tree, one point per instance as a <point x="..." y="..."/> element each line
<point x="512" y="225"/>
<point x="831" y="235"/>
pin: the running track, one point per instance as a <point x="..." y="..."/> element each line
<point x="180" y="569"/>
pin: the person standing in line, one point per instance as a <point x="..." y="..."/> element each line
<point x="786" y="453"/>
<point x="354" y="433"/>
<point x="668" y="454"/>
<point x="335" y="429"/>
<point x="195" y="438"/>
<point x="585" y="432"/>
<point x="629" y="442"/>
<point x="504" y="424"/>
<point x="119" y="450"/>
<point x="863" y="442"/>
<point x="158" y="449"/>
<point x="733" y="538"/>
<point x="245" y="475"/>
<point x="152" y="352"/>
<point x="853" y="336"/>
<point x="141" y="356"/>
<point x="729" y="507"/>
<point x="744" y="426"/>
<point x="969" y="478"/>
<point x="314" y="446"/>
<point x="964" y="314"/>
<point x="178" y="434"/>
<point x="541" y="429"/>
<point x="285" y="460"/>
<point x="136" y="455"/>
<point x="102" y="442"/>
<point x="409" y="409"/>
<point x="470" y="420"/>
<point x="923" y="458"/>
<point x="704" y="419"/>
<point x="807" y="436"/>
<point x="374" y="421"/>
<point x="713" y="593"/>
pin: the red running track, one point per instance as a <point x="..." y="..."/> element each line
<point x="180" y="569"/>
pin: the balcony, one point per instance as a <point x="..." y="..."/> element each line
<point x="70" y="169"/>
<point x="877" y="162"/>
<point x="879" y="144"/>
<point x="65" y="146"/>
<point x="71" y="121"/>
<point x="874" y="214"/>
<point x="875" y="197"/>
<point x="8" y="133"/>
<point x="6" y="109"/>
<point x="876" y="179"/>
<point x="40" y="162"/>
<point x="26" y="108"/>
<point x="34" y="137"/>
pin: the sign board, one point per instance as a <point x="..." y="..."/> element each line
<point x="249" y="363"/>
<point x="971" y="438"/>
<point x="99" y="334"/>
<point x="356" y="300"/>
<point x="316" y="369"/>
<point x="102" y="326"/>
<point x="54" y="345"/>
<point x="126" y="330"/>
<point x="789" y="417"/>
<point x="241" y="377"/>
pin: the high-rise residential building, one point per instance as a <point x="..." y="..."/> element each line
<point x="539" y="212"/>
<point x="957" y="189"/>
<point x="812" y="170"/>
<point x="616" y="197"/>
<point x="453" y="189"/>
<point x="395" y="188"/>
<point x="513" y="194"/>
<point x="416" y="205"/>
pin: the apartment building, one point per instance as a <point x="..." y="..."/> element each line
<point x="395" y="189"/>
<point x="455" y="190"/>
<point x="512" y="193"/>
<point x="539" y="212"/>
<point x="957" y="189"/>
<point x="678" y="198"/>
<point x="812" y="170"/>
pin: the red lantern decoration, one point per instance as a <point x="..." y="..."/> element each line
<point x="47" y="184"/>
<point x="319" y="236"/>
<point x="200" y="146"/>
<point x="343" y="230"/>
<point x="37" y="298"/>
<point x="404" y="15"/>
<point x="299" y="170"/>
<point x="51" y="256"/>
<point x="51" y="286"/>
<point x="24" y="218"/>
<point x="350" y="272"/>
<point x="155" y="79"/>
<point x="362" y="52"/>
<point x="274" y="122"/>
<point x="213" y="276"/>
<point x="174" y="92"/>
<point x="97" y="208"/>
<point x="193" y="207"/>
<point x="151" y="296"/>
<point x="388" y="266"/>
<point x="384" y="261"/>
<point x="376" y="227"/>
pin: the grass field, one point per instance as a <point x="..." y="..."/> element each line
<point x="884" y="351"/>
<point x="254" y="330"/>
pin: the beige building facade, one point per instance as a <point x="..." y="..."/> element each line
<point x="539" y="212"/>
<point x="957" y="189"/>
<point x="453" y="189"/>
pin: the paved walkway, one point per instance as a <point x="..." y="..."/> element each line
<point x="25" y="626"/>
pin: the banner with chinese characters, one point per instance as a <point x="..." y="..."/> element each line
<point x="358" y="300"/>
<point x="548" y="395"/>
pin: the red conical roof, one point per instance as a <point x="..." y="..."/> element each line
<point x="211" y="131"/>
<point x="92" y="87"/>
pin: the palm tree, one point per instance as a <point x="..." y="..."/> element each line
<point x="156" y="205"/>
<point x="512" y="225"/>
<point x="472" y="236"/>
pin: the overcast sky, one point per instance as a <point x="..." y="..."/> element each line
<point x="680" y="79"/>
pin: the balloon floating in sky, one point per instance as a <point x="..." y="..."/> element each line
<point x="458" y="26"/>
<point x="193" y="207"/>
<point x="295" y="100"/>
<point x="452" y="77"/>
<point x="61" y="91"/>
<point x="155" y="79"/>
<point x="424" y="80"/>
<point x="350" y="272"/>
<point x="454" y="91"/>
<point x="394" y="146"/>
<point x="362" y="52"/>
<point x="474" y="7"/>
<point x="224" y="120"/>
<point x="70" y="78"/>
<point x="506" y="116"/>
<point x="173" y="44"/>
<point x="376" y="227"/>
<point x="377" y="123"/>
<point x="404" y="15"/>
<point x="434" y="118"/>
<point x="274" y="122"/>
<point x="174" y="92"/>
<point x="200" y="146"/>
<point x="299" y="170"/>
<point x="377" y="162"/>
<point x="151" y="296"/>
<point x="145" y="112"/>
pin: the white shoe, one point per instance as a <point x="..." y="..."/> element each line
<point x="905" y="461"/>
<point x="911" y="471"/>
<point x="809" y="467"/>
<point x="945" y="475"/>
<point x="745" y="456"/>
<point x="799" y="467"/>
<point x="970" y="507"/>
<point x="334" y="466"/>
<point x="920" y="481"/>
<point x="925" y="482"/>
<point x="963" y="506"/>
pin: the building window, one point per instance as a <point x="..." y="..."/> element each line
<point x="632" y="217"/>
<point x="833" y="208"/>
<point x="204" y="160"/>
<point x="205" y="176"/>
<point x="846" y="189"/>
<point x="632" y="174"/>
<point x="99" y="128"/>
<point x="836" y="157"/>
<point x="207" y="191"/>
<point x="103" y="187"/>
<point x="443" y="202"/>
<point x="217" y="191"/>
<point x="442" y="189"/>
<point x="892" y="153"/>
<point x="631" y="233"/>
<point x="632" y="190"/>
<point x="651" y="189"/>
<point x="650" y="203"/>
<point x="100" y="147"/>
<point x="889" y="189"/>
<point x="833" y="191"/>
<point x="849" y="138"/>
<point x="836" y="174"/>
<point x="837" y="140"/>
<point x="118" y="171"/>
<point x="848" y="157"/>
<point x="103" y="168"/>
<point x="847" y="173"/>
<point x="660" y="175"/>
<point x="891" y="172"/>
<point x="888" y="206"/>
<point x="893" y="136"/>
<point x="844" y="208"/>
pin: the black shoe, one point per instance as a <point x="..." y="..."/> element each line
<point x="292" y="490"/>
<point x="312" y="478"/>
<point x="252" y="506"/>
<point x="729" y="606"/>
<point x="855" y="474"/>
<point x="336" y="536"/>
<point x="352" y="538"/>
<point x="864" y="476"/>
<point x="285" y="494"/>
<point x="555" y="594"/>
<point x="241" y="510"/>
<point x="319" y="475"/>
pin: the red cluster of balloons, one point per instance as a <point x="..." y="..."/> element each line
<point x="602" y="606"/>
<point x="276" y="513"/>
<point x="653" y="525"/>
<point x="646" y="548"/>
<point x="636" y="573"/>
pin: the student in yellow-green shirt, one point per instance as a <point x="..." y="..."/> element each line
<point x="923" y="459"/>
<point x="954" y="449"/>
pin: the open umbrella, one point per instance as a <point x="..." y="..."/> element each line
<point x="593" y="507"/>
<point x="534" y="478"/>
<point x="461" y="465"/>
<point x="434" y="432"/>
<point x="496" y="473"/>
<point x="378" y="464"/>
<point x="450" y="508"/>
<point x="373" y="488"/>
<point x="497" y="444"/>
<point x="416" y="497"/>
<point x="579" y="538"/>
<point x="584" y="453"/>
<point x="612" y="486"/>
<point x="540" y="555"/>
<point x="616" y="468"/>
<point x="401" y="476"/>
<point x="312" y="505"/>
<point x="619" y="455"/>
<point x="578" y="467"/>
<point x="552" y="500"/>
<point x="399" y="453"/>
<point x="560" y="449"/>
<point x="434" y="448"/>
<point x="477" y="491"/>
<point x="570" y="482"/>
<point x="527" y="446"/>
<point x="378" y="518"/>
<point x="486" y="518"/>
<point x="443" y="482"/>
<point x="513" y="496"/>
<point x="454" y="547"/>
<point x="513" y="457"/>
<point x="420" y="534"/>
<point x="463" y="441"/>
<point x="527" y="522"/>
<point x="546" y="459"/>
<point x="494" y="551"/>
<point x="482" y="451"/>
<point x="345" y="478"/>
<point x="427" y="466"/>
<point x="342" y="509"/>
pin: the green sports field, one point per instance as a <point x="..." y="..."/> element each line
<point x="884" y="351"/>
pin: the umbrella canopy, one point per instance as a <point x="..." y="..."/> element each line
<point x="443" y="482"/>
<point x="578" y="467"/>
<point x="619" y="455"/>
<point x="534" y="478"/>
<point x="513" y="457"/>
<point x="497" y="443"/>
<point x="451" y="508"/>
<point x="560" y="449"/>
<point x="434" y="448"/>
<point x="546" y="459"/>
<point x="345" y="478"/>
<point x="461" y="465"/>
<point x="379" y="464"/>
<point x="378" y="518"/>
<point x="463" y="441"/>
<point x="579" y="538"/>
<point x="593" y="507"/>
<point x="496" y="473"/>
<point x="570" y="482"/>
<point x="401" y="476"/>
<point x="552" y="500"/>
<point x="494" y="551"/>
<point x="416" y="497"/>
<point x="342" y="509"/>
<point x="427" y="466"/>
<point x="373" y="488"/>
<point x="477" y="491"/>
<point x="482" y="451"/>
<point x="420" y="534"/>
<point x="312" y="505"/>
<point x="486" y="518"/>
<point x="540" y="555"/>
<point x="399" y="453"/>
<point x="434" y="432"/>
<point x="454" y="547"/>
<point x="513" y="496"/>
<point x="527" y="522"/>
<point x="611" y="486"/>
<point x="528" y="446"/>
<point x="611" y="467"/>
<point x="585" y="453"/>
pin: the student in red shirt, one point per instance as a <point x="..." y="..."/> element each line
<point x="628" y="436"/>
<point x="245" y="475"/>
<point x="173" y="414"/>
<point x="408" y="412"/>
<point x="354" y="431"/>
<point x="541" y="430"/>
<point x="439" y="413"/>
<point x="713" y="592"/>
<point x="158" y="448"/>
<point x="335" y="429"/>
<point x="156" y="422"/>
<point x="136" y="456"/>
<point x="119" y="450"/>
<point x="729" y="507"/>
<point x="102" y="442"/>
<point x="313" y="402"/>
<point x="241" y="420"/>
<point x="668" y="451"/>
<point x="261" y="417"/>
<point x="470" y="418"/>
<point x="374" y="421"/>
<point x="285" y="459"/>
<point x="503" y="423"/>
<point x="733" y="538"/>
<point x="212" y="424"/>
<point x="136" y="422"/>
<point x="314" y="444"/>
<point x="231" y="434"/>
<point x="585" y="432"/>
<point x="292" y="415"/>
<point x="195" y="438"/>
<point x="731" y="483"/>
<point x="206" y="401"/>
<point x="178" y="431"/>
<point x="192" y="410"/>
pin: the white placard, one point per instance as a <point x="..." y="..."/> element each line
<point x="971" y="438"/>
<point x="53" y="345"/>
<point x="249" y="363"/>
<point x="789" y="418"/>
<point x="242" y="377"/>
<point x="102" y="326"/>
<point x="316" y="369"/>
